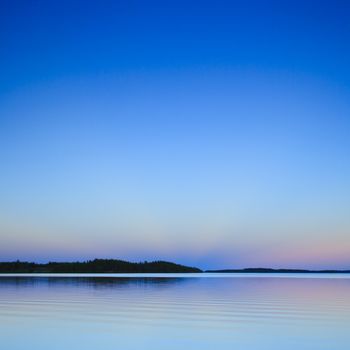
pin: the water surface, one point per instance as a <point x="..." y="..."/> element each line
<point x="190" y="311"/>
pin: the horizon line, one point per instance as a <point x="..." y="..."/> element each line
<point x="222" y="270"/>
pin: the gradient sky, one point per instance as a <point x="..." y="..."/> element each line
<point x="210" y="133"/>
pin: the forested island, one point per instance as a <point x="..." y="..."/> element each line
<point x="96" y="266"/>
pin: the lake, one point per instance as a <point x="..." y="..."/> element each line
<point x="175" y="311"/>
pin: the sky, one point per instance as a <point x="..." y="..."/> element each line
<point x="208" y="133"/>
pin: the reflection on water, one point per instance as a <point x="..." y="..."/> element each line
<point x="95" y="282"/>
<point x="174" y="312"/>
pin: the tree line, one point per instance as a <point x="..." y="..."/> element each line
<point x="95" y="266"/>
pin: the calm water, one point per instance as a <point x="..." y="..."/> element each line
<point x="175" y="312"/>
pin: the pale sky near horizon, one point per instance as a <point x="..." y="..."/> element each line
<point x="214" y="134"/>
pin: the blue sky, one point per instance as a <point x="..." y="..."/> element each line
<point x="209" y="133"/>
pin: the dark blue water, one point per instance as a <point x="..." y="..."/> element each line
<point x="175" y="312"/>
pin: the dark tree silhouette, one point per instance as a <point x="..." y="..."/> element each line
<point x="95" y="266"/>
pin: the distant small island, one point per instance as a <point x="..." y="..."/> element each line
<point x="269" y="270"/>
<point x="96" y="266"/>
